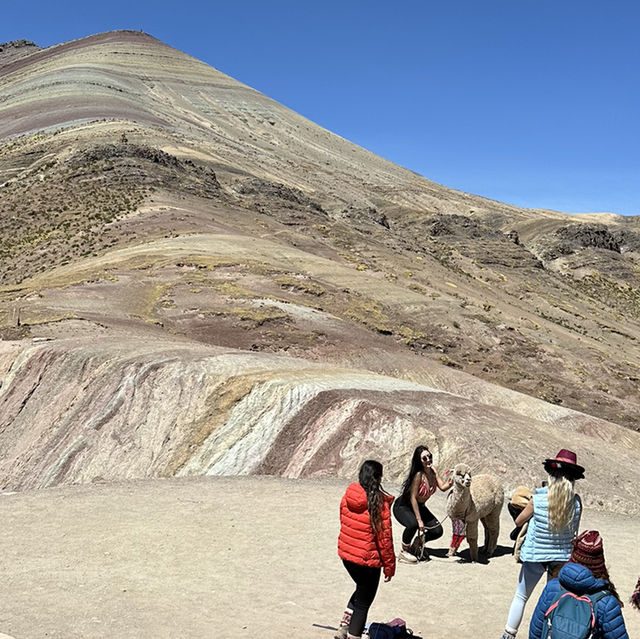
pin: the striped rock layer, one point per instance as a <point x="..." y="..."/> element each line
<point x="197" y="280"/>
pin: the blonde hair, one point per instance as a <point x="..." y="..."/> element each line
<point x="561" y="502"/>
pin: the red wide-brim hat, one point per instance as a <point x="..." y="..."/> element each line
<point x="565" y="463"/>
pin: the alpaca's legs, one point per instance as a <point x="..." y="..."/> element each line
<point x="472" y="538"/>
<point x="490" y="536"/>
<point x="487" y="536"/>
<point x="492" y="531"/>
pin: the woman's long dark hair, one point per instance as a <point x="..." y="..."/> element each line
<point x="603" y="573"/>
<point x="416" y="467"/>
<point x="370" y="478"/>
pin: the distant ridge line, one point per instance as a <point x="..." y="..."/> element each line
<point x="97" y="38"/>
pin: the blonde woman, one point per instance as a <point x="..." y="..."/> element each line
<point x="553" y="514"/>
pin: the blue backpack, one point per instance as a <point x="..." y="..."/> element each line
<point x="571" y="616"/>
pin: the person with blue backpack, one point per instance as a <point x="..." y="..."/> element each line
<point x="582" y="601"/>
<point x="553" y="514"/>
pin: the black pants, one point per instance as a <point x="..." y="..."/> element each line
<point x="514" y="511"/>
<point x="367" y="580"/>
<point x="404" y="514"/>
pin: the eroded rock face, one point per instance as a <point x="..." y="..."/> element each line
<point x="221" y="286"/>
<point x="76" y="411"/>
<point x="256" y="187"/>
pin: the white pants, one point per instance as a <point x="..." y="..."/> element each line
<point x="530" y="574"/>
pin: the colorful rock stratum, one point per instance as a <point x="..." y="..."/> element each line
<point x="197" y="280"/>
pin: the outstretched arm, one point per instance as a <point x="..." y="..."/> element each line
<point x="443" y="485"/>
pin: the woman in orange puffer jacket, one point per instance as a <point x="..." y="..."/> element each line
<point x="365" y="544"/>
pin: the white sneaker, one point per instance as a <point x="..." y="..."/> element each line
<point x="407" y="557"/>
<point x="342" y="632"/>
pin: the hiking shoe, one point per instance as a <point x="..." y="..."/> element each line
<point x="508" y="635"/>
<point x="341" y="633"/>
<point x="407" y="557"/>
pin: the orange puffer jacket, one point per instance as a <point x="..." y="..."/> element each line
<point x="357" y="541"/>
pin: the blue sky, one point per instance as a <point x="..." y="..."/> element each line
<point x="531" y="103"/>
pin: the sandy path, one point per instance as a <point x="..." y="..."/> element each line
<point x="234" y="557"/>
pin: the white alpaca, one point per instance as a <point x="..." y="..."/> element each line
<point x="472" y="501"/>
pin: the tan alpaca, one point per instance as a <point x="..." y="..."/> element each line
<point x="480" y="499"/>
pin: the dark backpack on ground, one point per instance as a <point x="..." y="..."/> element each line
<point x="571" y="616"/>
<point x="397" y="629"/>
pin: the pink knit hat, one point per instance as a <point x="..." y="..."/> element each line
<point x="588" y="551"/>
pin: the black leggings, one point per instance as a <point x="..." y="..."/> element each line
<point x="367" y="580"/>
<point x="405" y="515"/>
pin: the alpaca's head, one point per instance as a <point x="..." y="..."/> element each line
<point x="462" y="475"/>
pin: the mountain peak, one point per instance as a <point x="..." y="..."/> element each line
<point x="169" y="232"/>
<point x="10" y="51"/>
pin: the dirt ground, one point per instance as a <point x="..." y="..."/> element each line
<point x="237" y="558"/>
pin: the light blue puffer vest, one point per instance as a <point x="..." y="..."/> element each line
<point x="541" y="544"/>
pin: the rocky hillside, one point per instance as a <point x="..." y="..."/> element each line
<point x="196" y="279"/>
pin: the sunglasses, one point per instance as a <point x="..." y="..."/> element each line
<point x="426" y="456"/>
